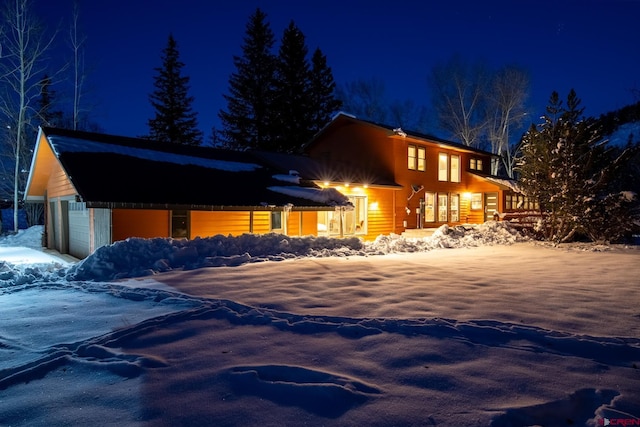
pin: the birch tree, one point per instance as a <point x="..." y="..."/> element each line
<point x="77" y="41"/>
<point x="506" y="112"/>
<point x="23" y="45"/>
<point x="458" y="91"/>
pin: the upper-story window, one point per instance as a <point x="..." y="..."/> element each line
<point x="448" y="167"/>
<point x="416" y="158"/>
<point x="443" y="167"/>
<point x="475" y="164"/>
<point x="454" y="170"/>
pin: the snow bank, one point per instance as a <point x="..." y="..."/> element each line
<point x="136" y="257"/>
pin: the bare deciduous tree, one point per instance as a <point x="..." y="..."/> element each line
<point x="457" y="91"/>
<point x="22" y="65"/>
<point x="506" y="112"/>
<point x="476" y="105"/>
<point x="77" y="46"/>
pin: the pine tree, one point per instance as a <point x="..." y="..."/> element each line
<point x="292" y="112"/>
<point x="246" y="122"/>
<point x="323" y="101"/>
<point x="574" y="176"/>
<point x="174" y="120"/>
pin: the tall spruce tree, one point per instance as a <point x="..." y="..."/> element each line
<point x="565" y="165"/>
<point x="174" y="120"/>
<point x="247" y="122"/>
<point x="323" y="101"/>
<point x="292" y="112"/>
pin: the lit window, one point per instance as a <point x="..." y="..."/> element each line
<point x="422" y="159"/>
<point x="473" y="164"/>
<point x="454" y="209"/>
<point x="411" y="157"/>
<point x="442" y="207"/>
<point x="479" y="164"/>
<point x="429" y="207"/>
<point x="455" y="169"/>
<point x="476" y="201"/>
<point x="443" y="166"/>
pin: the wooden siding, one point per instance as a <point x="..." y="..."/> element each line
<point x="207" y="224"/>
<point x="366" y="147"/>
<point x="379" y="212"/>
<point x="309" y="223"/>
<point x="59" y="184"/>
<point x="145" y="223"/>
<point x="261" y="222"/>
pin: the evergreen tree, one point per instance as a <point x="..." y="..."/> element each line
<point x="292" y="113"/>
<point x="246" y="122"/>
<point x="323" y="101"/>
<point x="566" y="166"/>
<point x="174" y="119"/>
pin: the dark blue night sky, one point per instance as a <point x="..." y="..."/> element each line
<point x="591" y="46"/>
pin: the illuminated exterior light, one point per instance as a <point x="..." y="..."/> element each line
<point x="373" y="206"/>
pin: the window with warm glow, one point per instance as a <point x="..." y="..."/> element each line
<point x="429" y="207"/>
<point x="416" y="158"/>
<point x="454" y="209"/>
<point x="443" y="167"/>
<point x="476" y="201"/>
<point x="422" y="159"/>
<point x="455" y="168"/>
<point x="442" y="207"/>
<point x="411" y="157"/>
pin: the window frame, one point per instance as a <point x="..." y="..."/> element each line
<point x="412" y="158"/>
<point x="175" y="215"/>
<point x="457" y="177"/>
<point x="443" y="168"/>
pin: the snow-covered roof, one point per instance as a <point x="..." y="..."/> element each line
<point x="113" y="171"/>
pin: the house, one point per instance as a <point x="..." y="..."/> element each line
<point x="98" y="189"/>
<point x="400" y="180"/>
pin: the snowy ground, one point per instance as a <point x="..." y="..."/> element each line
<point x="476" y="327"/>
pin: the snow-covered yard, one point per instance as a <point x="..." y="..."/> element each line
<point x="465" y="328"/>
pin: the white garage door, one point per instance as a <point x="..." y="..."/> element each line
<point x="79" y="239"/>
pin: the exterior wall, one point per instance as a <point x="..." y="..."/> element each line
<point x="366" y="147"/>
<point x="145" y="223"/>
<point x="207" y="223"/>
<point x="59" y="184"/>
<point x="309" y="226"/>
<point x="380" y="212"/>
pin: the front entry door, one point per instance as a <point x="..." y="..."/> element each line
<point x="490" y="205"/>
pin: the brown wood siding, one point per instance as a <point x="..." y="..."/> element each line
<point x="145" y="223"/>
<point x="59" y="184"/>
<point x="261" y="222"/>
<point x="377" y="149"/>
<point x="380" y="219"/>
<point x="207" y="224"/>
<point x="363" y="148"/>
<point x="309" y="223"/>
<point x="294" y="223"/>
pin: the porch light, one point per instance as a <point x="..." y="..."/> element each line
<point x="326" y="183"/>
<point x="373" y="206"/>
<point x="466" y="195"/>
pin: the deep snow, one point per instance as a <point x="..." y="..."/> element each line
<point x="468" y="327"/>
